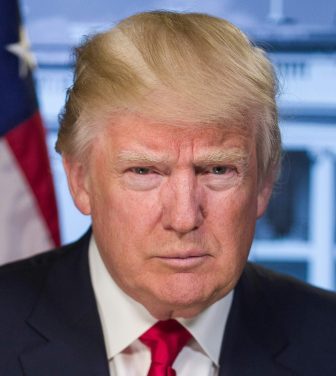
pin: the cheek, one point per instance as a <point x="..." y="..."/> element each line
<point x="232" y="222"/>
<point x="125" y="222"/>
<point x="134" y="213"/>
<point x="123" y="206"/>
<point x="232" y="210"/>
<point x="120" y="248"/>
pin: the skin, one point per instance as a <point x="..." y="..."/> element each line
<point x="173" y="209"/>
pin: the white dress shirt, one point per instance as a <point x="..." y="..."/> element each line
<point x="124" y="320"/>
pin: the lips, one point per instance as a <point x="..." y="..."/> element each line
<point x="184" y="259"/>
<point x="183" y="254"/>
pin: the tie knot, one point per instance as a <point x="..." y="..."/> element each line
<point x="165" y="340"/>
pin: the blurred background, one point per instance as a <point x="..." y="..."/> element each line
<point x="298" y="233"/>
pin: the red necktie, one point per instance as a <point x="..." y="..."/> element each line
<point x="165" y="340"/>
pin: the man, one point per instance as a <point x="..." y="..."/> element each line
<point x="170" y="142"/>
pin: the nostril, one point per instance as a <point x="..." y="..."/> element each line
<point x="186" y="221"/>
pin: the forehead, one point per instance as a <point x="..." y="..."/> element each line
<point x="134" y="131"/>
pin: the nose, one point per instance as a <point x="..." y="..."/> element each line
<point x="182" y="203"/>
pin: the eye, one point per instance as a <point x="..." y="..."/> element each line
<point x="220" y="170"/>
<point x="141" y="170"/>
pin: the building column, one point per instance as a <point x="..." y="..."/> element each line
<point x="321" y="271"/>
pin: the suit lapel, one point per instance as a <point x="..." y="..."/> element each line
<point x="254" y="339"/>
<point x="67" y="319"/>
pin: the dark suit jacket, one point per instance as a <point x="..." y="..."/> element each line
<point x="49" y="324"/>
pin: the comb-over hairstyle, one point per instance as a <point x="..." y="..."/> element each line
<point x="172" y="67"/>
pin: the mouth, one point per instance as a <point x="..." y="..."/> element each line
<point x="185" y="260"/>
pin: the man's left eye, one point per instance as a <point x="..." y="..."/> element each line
<point x="142" y="170"/>
<point x="220" y="170"/>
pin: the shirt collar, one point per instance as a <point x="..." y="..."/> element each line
<point x="124" y="320"/>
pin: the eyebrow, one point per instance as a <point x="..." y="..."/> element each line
<point x="135" y="156"/>
<point x="233" y="155"/>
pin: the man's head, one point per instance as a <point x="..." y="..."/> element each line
<point x="170" y="141"/>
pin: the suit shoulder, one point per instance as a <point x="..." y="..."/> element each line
<point x="23" y="279"/>
<point x="294" y="297"/>
<point x="32" y="266"/>
<point x="302" y="315"/>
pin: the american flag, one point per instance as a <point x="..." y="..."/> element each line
<point x="28" y="212"/>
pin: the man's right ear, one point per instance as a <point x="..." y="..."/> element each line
<point x="78" y="184"/>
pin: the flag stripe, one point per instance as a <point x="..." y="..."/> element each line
<point x="23" y="231"/>
<point x="27" y="142"/>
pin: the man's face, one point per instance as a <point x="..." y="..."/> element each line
<point x="173" y="210"/>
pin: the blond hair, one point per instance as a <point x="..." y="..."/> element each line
<point x="176" y="67"/>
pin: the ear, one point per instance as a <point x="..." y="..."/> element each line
<point x="77" y="182"/>
<point x="264" y="195"/>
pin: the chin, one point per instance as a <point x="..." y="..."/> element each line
<point x="176" y="309"/>
<point x="173" y="301"/>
